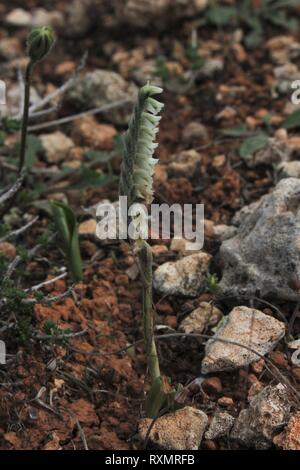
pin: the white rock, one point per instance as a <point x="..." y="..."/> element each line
<point x="205" y="315"/>
<point x="100" y="88"/>
<point x="157" y="13"/>
<point x="289" y="169"/>
<point x="10" y="48"/>
<point x="146" y="71"/>
<point x="263" y="258"/>
<point x="248" y="327"/>
<point x="56" y="146"/>
<point x="268" y="412"/>
<point x="40" y="17"/>
<point x="227" y="113"/>
<point x="13" y="98"/>
<point x="181" y="430"/>
<point x="274" y="153"/>
<point x="223" y="232"/>
<point x="78" y="19"/>
<point x="283" y="48"/>
<point x="195" y="131"/>
<point x="184" y="277"/>
<point x="210" y="68"/>
<point x="185" y="163"/>
<point x="18" y="17"/>
<point x="287" y="71"/>
<point x="220" y="426"/>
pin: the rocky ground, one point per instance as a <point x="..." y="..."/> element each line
<point x="228" y="139"/>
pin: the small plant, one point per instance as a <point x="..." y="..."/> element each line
<point x="136" y="182"/>
<point x="12" y="305"/>
<point x="212" y="283"/>
<point x="39" y="42"/>
<point x="66" y="224"/>
<point x="193" y="55"/>
<point x="52" y="329"/>
<point x="253" y="15"/>
<point x="161" y="69"/>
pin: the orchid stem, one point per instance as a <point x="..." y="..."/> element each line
<point x="22" y="154"/>
<point x="145" y="258"/>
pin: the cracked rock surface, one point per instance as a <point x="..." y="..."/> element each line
<point x="263" y="258"/>
<point x="268" y="412"/>
<point x="185" y="276"/>
<point x="181" y="430"/>
<point x="246" y="326"/>
<point x="220" y="425"/>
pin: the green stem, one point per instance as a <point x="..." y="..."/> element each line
<point x="22" y="154"/>
<point x="145" y="259"/>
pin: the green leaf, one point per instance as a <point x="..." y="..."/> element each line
<point x="161" y="69"/>
<point x="10" y="125"/>
<point x="2" y="137"/>
<point x="66" y="225"/>
<point x="293" y="120"/>
<point x="220" y="16"/>
<point x="118" y="143"/>
<point x="98" y="156"/>
<point x="238" y="131"/>
<point x="253" y="144"/>
<point x="280" y="18"/>
<point x="91" y="178"/>
<point x="34" y="146"/>
<point x="155" y="399"/>
<point x="254" y="38"/>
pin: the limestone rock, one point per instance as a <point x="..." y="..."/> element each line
<point x="274" y="153"/>
<point x="246" y="326"/>
<point x="156" y="13"/>
<point x="101" y="88"/>
<point x="41" y="17"/>
<point x="205" y="315"/>
<point x="210" y="68"/>
<point x="268" y="412"/>
<point x="181" y="430"/>
<point x="195" y="132"/>
<point x="10" y="48"/>
<point x="18" y="17"/>
<point x="79" y="19"/>
<point x="56" y="146"/>
<point x="185" y="163"/>
<point x="289" y="169"/>
<point x="290" y="438"/>
<point x="223" y="232"/>
<point x="88" y="132"/>
<point x="184" y="277"/>
<point x="220" y="425"/>
<point x="263" y="258"/>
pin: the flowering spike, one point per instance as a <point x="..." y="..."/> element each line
<point x="137" y="170"/>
